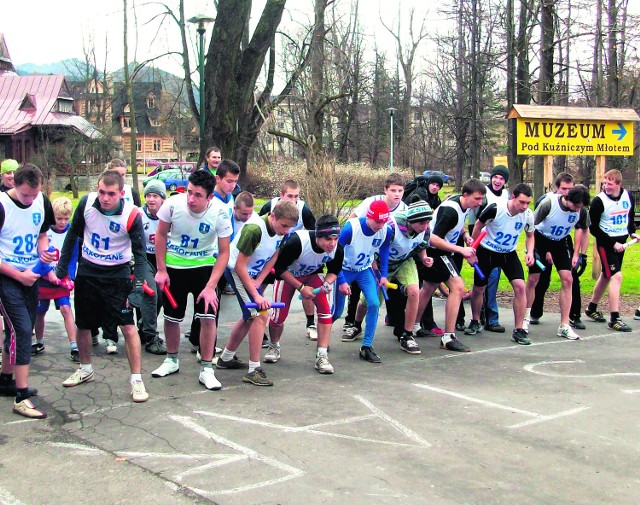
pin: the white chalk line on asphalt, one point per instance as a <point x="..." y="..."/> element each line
<point x="376" y="413"/>
<point x="533" y="368"/>
<point x="6" y="498"/>
<point x="515" y="346"/>
<point x="290" y="471"/>
<point x="537" y="418"/>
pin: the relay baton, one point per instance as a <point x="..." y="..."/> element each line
<point x="539" y="263"/>
<point x="474" y="246"/>
<point x="382" y="288"/>
<point x="272" y="305"/>
<point x="170" y="298"/>
<point x="147" y="289"/>
<point x="42" y="268"/>
<point x="392" y="285"/>
<point x="630" y="243"/>
<point x="66" y="283"/>
<point x="315" y="292"/>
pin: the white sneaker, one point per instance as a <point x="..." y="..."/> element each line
<point x="525" y="324"/>
<point x="272" y="355"/>
<point x="138" y="392"/>
<point x="111" y="346"/>
<point x="312" y="332"/>
<point x="208" y="379"/>
<point x="78" y="377"/>
<point x="323" y="366"/>
<point x="198" y="356"/>
<point x="567" y="332"/>
<point x="168" y="367"/>
<point x="416" y="327"/>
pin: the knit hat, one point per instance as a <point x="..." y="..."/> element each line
<point x="9" y="166"/>
<point x="378" y="211"/>
<point x="157" y="187"/>
<point x="419" y="211"/>
<point x="327" y="226"/>
<point x="436" y="179"/>
<point x="501" y="170"/>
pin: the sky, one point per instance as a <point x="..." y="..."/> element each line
<point x="55" y="30"/>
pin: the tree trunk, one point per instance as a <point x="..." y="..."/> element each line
<point x="132" y="109"/>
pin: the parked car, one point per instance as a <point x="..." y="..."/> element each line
<point x="186" y="166"/>
<point x="485" y="177"/>
<point x="447" y="179"/>
<point x="173" y="179"/>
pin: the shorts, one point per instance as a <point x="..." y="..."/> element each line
<point x="102" y="302"/>
<point x="611" y="260"/>
<point x="560" y="253"/>
<point x="182" y="282"/>
<point x="43" y="305"/>
<point x="488" y="260"/>
<point x="442" y="270"/>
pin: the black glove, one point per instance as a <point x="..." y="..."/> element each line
<point x="581" y="266"/>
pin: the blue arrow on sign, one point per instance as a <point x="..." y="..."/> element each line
<point x="621" y="131"/>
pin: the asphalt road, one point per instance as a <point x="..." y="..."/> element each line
<point x="554" y="422"/>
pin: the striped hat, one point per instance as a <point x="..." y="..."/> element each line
<point x="419" y="211"/>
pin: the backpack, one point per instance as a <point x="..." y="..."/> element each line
<point x="418" y="186"/>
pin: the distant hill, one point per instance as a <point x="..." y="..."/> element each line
<point x="75" y="70"/>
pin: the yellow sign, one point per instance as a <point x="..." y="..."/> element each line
<point x="574" y="138"/>
<point x="500" y="160"/>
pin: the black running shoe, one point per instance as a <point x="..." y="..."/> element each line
<point x="519" y="336"/>
<point x="367" y="354"/>
<point x="473" y="328"/>
<point x="454" y="345"/>
<point x="596" y="316"/>
<point x="577" y="324"/>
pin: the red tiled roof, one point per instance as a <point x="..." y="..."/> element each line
<point x="46" y="89"/>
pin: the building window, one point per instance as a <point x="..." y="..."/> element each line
<point x="65" y="106"/>
<point x="151" y="101"/>
<point x="126" y="122"/>
<point x="138" y="145"/>
<point x="280" y="112"/>
<point x="155" y="122"/>
<point x="157" y="145"/>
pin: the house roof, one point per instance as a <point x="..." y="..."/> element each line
<point x="141" y="91"/>
<point x="27" y="101"/>
<point x="572" y="113"/>
<point x="6" y="65"/>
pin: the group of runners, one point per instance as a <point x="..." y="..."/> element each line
<point x="133" y="260"/>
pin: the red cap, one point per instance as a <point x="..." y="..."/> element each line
<point x="378" y="211"/>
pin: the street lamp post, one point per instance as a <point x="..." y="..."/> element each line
<point x="201" y="21"/>
<point x="391" y="111"/>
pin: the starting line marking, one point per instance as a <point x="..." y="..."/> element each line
<point x="537" y="418"/>
<point x="311" y="428"/>
<point x="245" y="453"/>
<point x="532" y="367"/>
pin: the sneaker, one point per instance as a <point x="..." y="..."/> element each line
<point x="75" y="356"/>
<point x="347" y="325"/>
<point x="423" y="332"/>
<point x="37" y="348"/>
<point x="78" y="377"/>
<point x="473" y="328"/>
<point x="272" y="355"/>
<point x="618" y="325"/>
<point x="11" y="390"/>
<point x="265" y="341"/>
<point x="637" y="316"/>
<point x="323" y="366"/>
<point x="438" y="332"/>
<point x="138" y="392"/>
<point x="408" y="344"/>
<point x="525" y="324"/>
<point x="566" y="332"/>
<point x="387" y="322"/>
<point x="367" y="354"/>
<point x="156" y="346"/>
<point x="312" y="332"/>
<point x="208" y="379"/>
<point x="534" y="320"/>
<point x="454" y="345"/>
<point x="198" y="356"/>
<point x="232" y="364"/>
<point x="520" y="337"/>
<point x="495" y="328"/>
<point x="596" y="316"/>
<point x="111" y="346"/>
<point x="257" y="378"/>
<point x="416" y="327"/>
<point x="577" y="324"/>
<point x="168" y="367"/>
<point x="28" y="409"/>
<point x="460" y="327"/>
<point x="351" y="333"/>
